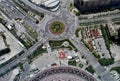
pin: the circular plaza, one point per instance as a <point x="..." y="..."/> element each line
<point x="63" y="74"/>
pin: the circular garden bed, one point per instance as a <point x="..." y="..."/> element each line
<point x="57" y="27"/>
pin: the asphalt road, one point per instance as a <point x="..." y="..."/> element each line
<point x="18" y="59"/>
<point x="64" y="15"/>
<point x="105" y="75"/>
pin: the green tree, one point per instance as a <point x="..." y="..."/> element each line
<point x="90" y="69"/>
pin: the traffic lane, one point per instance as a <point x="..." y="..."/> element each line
<point x="26" y="70"/>
<point x="18" y="59"/>
<point x="10" y="10"/>
<point x="15" y="13"/>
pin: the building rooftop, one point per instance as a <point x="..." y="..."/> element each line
<point x="113" y="29"/>
<point x="37" y="1"/>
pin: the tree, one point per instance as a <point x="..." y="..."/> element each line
<point x="90" y="69"/>
<point x="106" y="62"/>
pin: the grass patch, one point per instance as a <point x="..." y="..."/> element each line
<point x="72" y="62"/>
<point x="31" y="31"/>
<point x="1" y="20"/>
<point x="90" y="48"/>
<point x="58" y="44"/>
<point x="92" y="22"/>
<point x="107" y="41"/>
<point x="106" y="62"/>
<point x="96" y="54"/>
<point x="36" y="53"/>
<point x="77" y="32"/>
<point x="27" y="42"/>
<point x="21" y="66"/>
<point x="87" y="45"/>
<point x="57" y="27"/>
<point x="116" y="69"/>
<point x="81" y="65"/>
<point x="72" y="6"/>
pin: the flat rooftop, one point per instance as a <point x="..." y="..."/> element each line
<point x="37" y="1"/>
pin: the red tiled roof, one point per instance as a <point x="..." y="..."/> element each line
<point x="95" y="33"/>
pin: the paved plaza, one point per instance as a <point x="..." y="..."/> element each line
<point x="58" y="57"/>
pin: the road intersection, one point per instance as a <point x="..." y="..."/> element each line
<point x="70" y="21"/>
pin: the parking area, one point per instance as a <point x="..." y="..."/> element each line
<point x="115" y="52"/>
<point x="93" y="37"/>
<point x="101" y="48"/>
<point x="6" y="77"/>
<point x="14" y="45"/>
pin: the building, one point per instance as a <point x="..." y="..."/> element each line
<point x="96" y="5"/>
<point x="51" y="5"/>
<point x="113" y="32"/>
<point x="3" y="48"/>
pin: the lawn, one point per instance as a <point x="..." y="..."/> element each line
<point x="116" y="69"/>
<point x="33" y="33"/>
<point x="77" y="32"/>
<point x="72" y="62"/>
<point x="37" y="52"/>
<point x="106" y="62"/>
<point x="58" y="44"/>
<point x="107" y="41"/>
<point x="57" y="27"/>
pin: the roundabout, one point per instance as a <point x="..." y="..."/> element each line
<point x="63" y="74"/>
<point x="57" y="27"/>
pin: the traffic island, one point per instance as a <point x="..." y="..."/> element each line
<point x="57" y="27"/>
